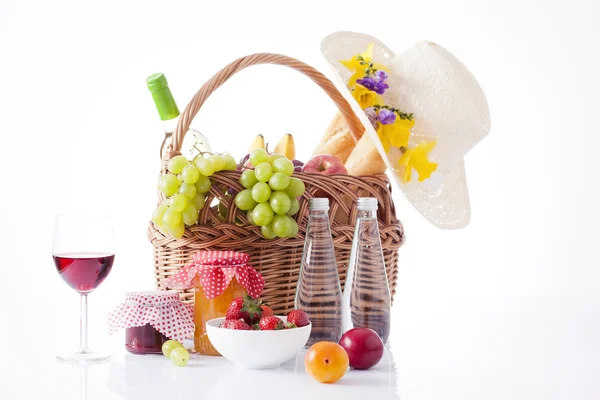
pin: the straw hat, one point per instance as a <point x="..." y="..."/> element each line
<point x="449" y="108"/>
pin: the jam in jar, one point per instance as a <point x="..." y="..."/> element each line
<point x="217" y="277"/>
<point x="150" y="319"/>
<point x="207" y="309"/>
<point x="144" y="340"/>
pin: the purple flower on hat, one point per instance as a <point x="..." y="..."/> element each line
<point x="372" y="114"/>
<point x="386" y="116"/>
<point x="381" y="75"/>
<point x="375" y="83"/>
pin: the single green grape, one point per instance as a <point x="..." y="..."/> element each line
<point x="267" y="232"/>
<point x="244" y="201"/>
<point x="294" y="226"/>
<point x="275" y="156"/>
<point x="261" y="192"/>
<point x="258" y="156"/>
<point x="177" y="164"/>
<point x="203" y="184"/>
<point x="249" y="216"/>
<point x="230" y="163"/>
<point x="280" y="202"/>
<point x="177" y="232"/>
<point x="168" y="184"/>
<point x="294" y="208"/>
<point x="218" y="162"/>
<point x="178" y="202"/>
<point x="296" y="188"/>
<point x="190" y="214"/>
<point x="171" y="218"/>
<point x="283" y="165"/>
<point x="190" y="174"/>
<point x="282" y="226"/>
<point x="188" y="190"/>
<point x="263" y="172"/>
<point x="205" y="166"/>
<point x="199" y="201"/>
<point x="279" y="181"/>
<point x="157" y="215"/>
<point x="179" y="356"/>
<point x="248" y="179"/>
<point x="262" y="214"/>
<point x="168" y="346"/>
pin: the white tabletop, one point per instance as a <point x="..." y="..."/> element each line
<point x="485" y="348"/>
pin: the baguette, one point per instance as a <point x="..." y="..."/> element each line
<point x="365" y="159"/>
<point x="337" y="140"/>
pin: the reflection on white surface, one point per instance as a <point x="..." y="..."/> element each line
<point x="151" y="377"/>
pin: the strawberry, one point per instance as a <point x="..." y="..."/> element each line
<point x="234" y="312"/>
<point x="236" y="325"/>
<point x="298" y="318"/>
<point x="245" y="308"/>
<point x="289" y="325"/>
<point x="270" y="323"/>
<point x="266" y="310"/>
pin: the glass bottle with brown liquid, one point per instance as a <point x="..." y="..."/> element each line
<point x="366" y="298"/>
<point x="318" y="292"/>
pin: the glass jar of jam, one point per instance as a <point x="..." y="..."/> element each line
<point x="150" y="319"/>
<point x="144" y="340"/>
<point x="207" y="309"/>
<point x="218" y="277"/>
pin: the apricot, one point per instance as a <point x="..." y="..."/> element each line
<point x="327" y="362"/>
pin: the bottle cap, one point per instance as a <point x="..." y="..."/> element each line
<point x="318" y="204"/>
<point x="367" y="203"/>
<point x="163" y="98"/>
<point x="157" y="82"/>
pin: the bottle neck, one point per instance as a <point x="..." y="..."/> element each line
<point x="318" y="214"/>
<point x="166" y="106"/>
<point x="170" y="125"/>
<point x="366" y="214"/>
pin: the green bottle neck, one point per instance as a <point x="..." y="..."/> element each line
<point x="165" y="104"/>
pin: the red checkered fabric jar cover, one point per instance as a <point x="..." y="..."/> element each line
<point x="161" y="309"/>
<point x="214" y="270"/>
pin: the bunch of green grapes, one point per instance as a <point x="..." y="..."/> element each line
<point x="185" y="187"/>
<point x="270" y="197"/>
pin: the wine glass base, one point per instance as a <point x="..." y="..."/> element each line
<point x="88" y="357"/>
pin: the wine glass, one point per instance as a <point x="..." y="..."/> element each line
<point x="83" y="252"/>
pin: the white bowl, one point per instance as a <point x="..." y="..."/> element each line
<point x="257" y="349"/>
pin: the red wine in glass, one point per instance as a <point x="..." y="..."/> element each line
<point x="84" y="271"/>
<point x="83" y="254"/>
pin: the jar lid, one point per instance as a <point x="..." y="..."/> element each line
<point x="221" y="258"/>
<point x="163" y="310"/>
<point x="214" y="270"/>
<point x="151" y="297"/>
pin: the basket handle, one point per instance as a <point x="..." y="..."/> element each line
<point x="223" y="75"/>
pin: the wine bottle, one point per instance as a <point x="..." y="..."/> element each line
<point x="168" y="112"/>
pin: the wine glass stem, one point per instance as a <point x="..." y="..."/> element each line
<point x="83" y="325"/>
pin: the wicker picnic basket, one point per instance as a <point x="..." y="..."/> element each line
<point x="278" y="260"/>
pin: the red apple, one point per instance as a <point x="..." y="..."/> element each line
<point x="325" y="164"/>
<point x="364" y="347"/>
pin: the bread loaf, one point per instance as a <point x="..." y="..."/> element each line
<point x="337" y="140"/>
<point x="365" y="159"/>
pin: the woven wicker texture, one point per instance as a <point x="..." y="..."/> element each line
<point x="278" y="260"/>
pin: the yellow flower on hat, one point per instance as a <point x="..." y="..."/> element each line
<point x="395" y="134"/>
<point x="359" y="63"/>
<point x="365" y="97"/>
<point x="417" y="158"/>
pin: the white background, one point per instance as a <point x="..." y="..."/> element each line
<point x="505" y="308"/>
